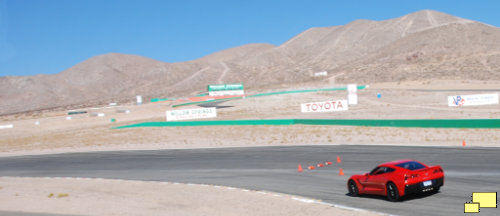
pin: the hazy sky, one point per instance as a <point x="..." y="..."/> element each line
<point x="49" y="36"/>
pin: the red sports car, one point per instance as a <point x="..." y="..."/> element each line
<point x="396" y="179"/>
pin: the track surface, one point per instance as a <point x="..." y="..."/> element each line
<point x="467" y="170"/>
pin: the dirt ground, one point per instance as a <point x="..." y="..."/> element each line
<point x="51" y="132"/>
<point x="117" y="197"/>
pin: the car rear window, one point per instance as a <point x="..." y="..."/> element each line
<point x="411" y="165"/>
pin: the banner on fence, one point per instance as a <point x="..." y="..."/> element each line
<point x="176" y="115"/>
<point x="473" y="100"/>
<point x="322" y="73"/>
<point x="226" y="89"/>
<point x="352" y="94"/>
<point x="326" y="106"/>
<point x="138" y="99"/>
<point x="6" y="126"/>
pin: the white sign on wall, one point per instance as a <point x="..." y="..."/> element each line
<point x="139" y="99"/>
<point x="176" y="115"/>
<point x="226" y="89"/>
<point x="473" y="100"/>
<point x="326" y="106"/>
<point x="322" y="73"/>
<point x="352" y="93"/>
<point x="226" y="93"/>
<point x="6" y="126"/>
<point x="97" y="114"/>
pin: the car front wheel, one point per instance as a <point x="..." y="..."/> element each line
<point x="353" y="188"/>
<point x="392" y="192"/>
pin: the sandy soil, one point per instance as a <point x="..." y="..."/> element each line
<point x="412" y="100"/>
<point x="117" y="197"/>
<point x="83" y="132"/>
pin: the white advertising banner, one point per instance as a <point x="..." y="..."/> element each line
<point x="138" y="99"/>
<point x="6" y="126"/>
<point x="352" y="93"/>
<point x="326" y="106"/>
<point x="226" y="93"/>
<point x="97" y="114"/>
<point x="322" y="73"/>
<point x="176" y="115"/>
<point x="473" y="100"/>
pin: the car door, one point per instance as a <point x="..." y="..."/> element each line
<point x="374" y="182"/>
<point x="370" y="181"/>
<point x="379" y="180"/>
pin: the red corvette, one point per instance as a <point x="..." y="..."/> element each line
<point x="396" y="179"/>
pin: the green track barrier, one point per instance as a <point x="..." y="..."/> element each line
<point x="211" y="123"/>
<point x="413" y="123"/>
<point x="77" y="112"/>
<point x="202" y="94"/>
<point x="268" y="94"/>
<point x="209" y="101"/>
<point x="162" y="99"/>
<point x="304" y="91"/>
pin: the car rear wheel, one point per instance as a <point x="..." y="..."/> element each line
<point x="392" y="192"/>
<point x="353" y="188"/>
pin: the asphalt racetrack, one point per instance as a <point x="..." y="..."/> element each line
<point x="274" y="169"/>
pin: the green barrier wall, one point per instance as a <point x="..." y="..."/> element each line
<point x="77" y="112"/>
<point x="414" y="123"/>
<point x="420" y="123"/>
<point x="268" y="94"/>
<point x="225" y="87"/>
<point x="211" y="123"/>
<point x="304" y="91"/>
<point x="209" y="101"/>
<point x="162" y="99"/>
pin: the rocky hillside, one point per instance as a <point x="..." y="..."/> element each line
<point x="418" y="46"/>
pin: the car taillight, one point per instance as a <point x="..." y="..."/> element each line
<point x="438" y="170"/>
<point x="410" y="176"/>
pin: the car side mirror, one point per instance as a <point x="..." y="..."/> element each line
<point x="366" y="174"/>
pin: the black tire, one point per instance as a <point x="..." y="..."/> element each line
<point x="392" y="192"/>
<point x="353" y="188"/>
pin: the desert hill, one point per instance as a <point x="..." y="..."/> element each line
<point x="419" y="46"/>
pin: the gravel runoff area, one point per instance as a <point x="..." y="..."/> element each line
<point x="81" y="196"/>
<point x="51" y="132"/>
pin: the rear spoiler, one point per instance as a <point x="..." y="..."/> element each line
<point x="418" y="173"/>
<point x="434" y="169"/>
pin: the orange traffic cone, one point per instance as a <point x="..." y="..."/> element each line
<point x="311" y="167"/>
<point x="463" y="143"/>
<point x="320" y="165"/>
<point x="341" y="172"/>
<point x="338" y="159"/>
<point x="328" y="163"/>
<point x="299" y="169"/>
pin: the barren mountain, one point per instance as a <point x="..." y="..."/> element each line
<point x="418" y="46"/>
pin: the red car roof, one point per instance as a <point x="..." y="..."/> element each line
<point x="393" y="163"/>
